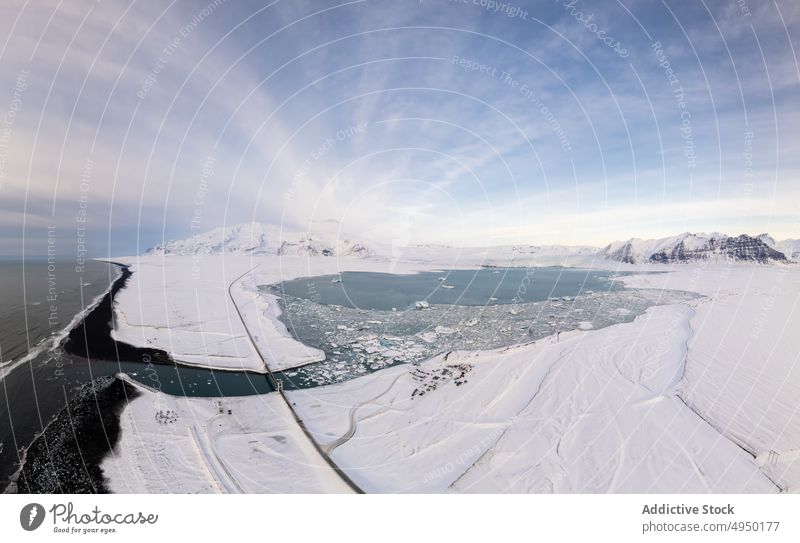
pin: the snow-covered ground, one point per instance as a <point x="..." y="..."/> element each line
<point x="182" y="306"/>
<point x="743" y="370"/>
<point x="587" y="412"/>
<point x="230" y="445"/>
<point x="680" y="400"/>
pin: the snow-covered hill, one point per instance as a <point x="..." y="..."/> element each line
<point x="325" y="239"/>
<point x="264" y="239"/>
<point x="688" y="247"/>
<point x="789" y="247"/>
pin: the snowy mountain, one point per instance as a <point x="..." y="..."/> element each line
<point x="789" y="247"/>
<point x="324" y="239"/>
<point x="688" y="247"/>
<point x="264" y="239"/>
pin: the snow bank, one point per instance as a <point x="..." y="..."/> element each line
<point x="260" y="311"/>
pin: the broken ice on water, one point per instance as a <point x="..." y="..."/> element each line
<point x="360" y="341"/>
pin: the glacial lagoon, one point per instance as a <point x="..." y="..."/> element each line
<point x="365" y="322"/>
<point x="474" y="287"/>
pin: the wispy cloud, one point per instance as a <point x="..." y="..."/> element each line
<point x="190" y="114"/>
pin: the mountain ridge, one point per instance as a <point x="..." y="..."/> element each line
<point x="256" y="238"/>
<point x="689" y="247"/>
<point x="326" y="239"/>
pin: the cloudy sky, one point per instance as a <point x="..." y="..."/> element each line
<point x="469" y="122"/>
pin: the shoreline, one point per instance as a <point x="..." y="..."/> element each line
<point x="88" y="337"/>
<point x="98" y="401"/>
<point x="57" y="339"/>
<point x="91" y="338"/>
<point x="66" y="457"/>
<point x="50" y="348"/>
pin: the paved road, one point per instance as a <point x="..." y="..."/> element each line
<point x="274" y="384"/>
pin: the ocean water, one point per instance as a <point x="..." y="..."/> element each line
<point x="40" y="302"/>
<point x="485" y="286"/>
<point x="40" y="299"/>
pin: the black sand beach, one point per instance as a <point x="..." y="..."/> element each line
<point x="92" y="337"/>
<point x="66" y="457"/>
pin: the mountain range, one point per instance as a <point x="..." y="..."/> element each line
<point x="256" y="238"/>
<point x="688" y="247"/>
<point x="326" y="239"/>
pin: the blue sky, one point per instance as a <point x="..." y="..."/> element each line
<point x="469" y="122"/>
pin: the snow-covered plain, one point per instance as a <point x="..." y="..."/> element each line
<point x="743" y="369"/>
<point x="183" y="307"/>
<point x="589" y="412"/>
<point x="209" y="445"/>
<point x="691" y="397"/>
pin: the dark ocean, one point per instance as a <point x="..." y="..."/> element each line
<point x="41" y="301"/>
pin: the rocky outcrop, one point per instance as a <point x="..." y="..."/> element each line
<point x="689" y="247"/>
<point x="742" y="248"/>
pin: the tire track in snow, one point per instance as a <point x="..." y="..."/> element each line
<point x="351" y="430"/>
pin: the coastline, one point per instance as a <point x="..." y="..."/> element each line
<point x="91" y="338"/>
<point x="66" y="457"/>
<point x="58" y="338"/>
<point x="86" y="429"/>
<point x="91" y="415"/>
